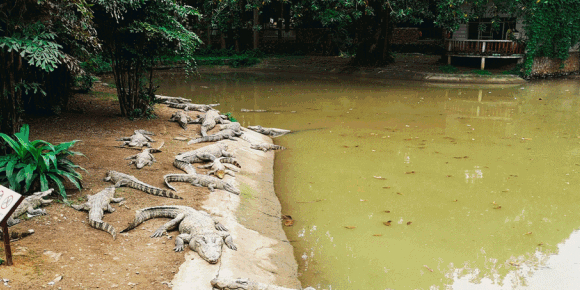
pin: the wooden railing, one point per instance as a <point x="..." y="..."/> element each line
<point x="484" y="47"/>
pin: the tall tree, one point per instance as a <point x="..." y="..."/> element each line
<point x="135" y="34"/>
<point x="37" y="37"/>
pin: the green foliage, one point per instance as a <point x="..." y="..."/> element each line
<point x="84" y="82"/>
<point x="552" y="28"/>
<point x="517" y="70"/>
<point x="37" y="162"/>
<point x="96" y="64"/>
<point x="230" y="57"/>
<point x="481" y="72"/>
<point x="137" y="34"/>
<point x="448" y="69"/>
<point x="231" y="117"/>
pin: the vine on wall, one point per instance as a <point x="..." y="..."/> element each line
<point x="552" y="28"/>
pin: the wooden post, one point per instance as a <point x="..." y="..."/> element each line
<point x="482" y="63"/>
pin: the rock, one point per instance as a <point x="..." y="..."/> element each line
<point x="20" y="251"/>
<point x="52" y="255"/>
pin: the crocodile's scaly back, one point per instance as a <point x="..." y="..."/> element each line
<point x="97" y="205"/>
<point x="29" y="205"/>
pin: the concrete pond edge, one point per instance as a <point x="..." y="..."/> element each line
<point x="253" y="218"/>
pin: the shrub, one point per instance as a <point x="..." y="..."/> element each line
<point x="37" y="162"/>
<point x="97" y="65"/>
<point x="481" y="72"/>
<point x="231" y="117"/>
<point x="449" y="69"/>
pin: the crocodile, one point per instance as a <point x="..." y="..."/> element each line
<point x="222" y="166"/>
<point x="139" y="139"/>
<point x="272" y="132"/>
<point x="181" y="118"/>
<point x="207" y="153"/>
<point x="121" y="179"/>
<point x="203" y="233"/>
<point x="233" y="125"/>
<point x="96" y="205"/>
<point x="221" y="135"/>
<point x="28" y="205"/>
<point x="202" y="181"/>
<point x="145" y="157"/>
<point x="266" y="146"/>
<point x="245" y="284"/>
<point x="209" y="120"/>
<point x="167" y="99"/>
<point x="192" y="107"/>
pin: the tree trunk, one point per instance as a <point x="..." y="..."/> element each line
<point x="375" y="33"/>
<point x="10" y="98"/>
<point x="255" y="28"/>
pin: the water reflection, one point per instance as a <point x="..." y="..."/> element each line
<point x="431" y="146"/>
<point x="541" y="270"/>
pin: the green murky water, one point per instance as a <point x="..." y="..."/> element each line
<point x="479" y="184"/>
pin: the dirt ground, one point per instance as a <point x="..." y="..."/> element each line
<point x="65" y="245"/>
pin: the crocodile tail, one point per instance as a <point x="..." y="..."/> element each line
<point x="17" y="235"/>
<point x="277" y="147"/>
<point x="153" y="190"/>
<point x="150" y="213"/>
<point x="103" y="226"/>
<point x="175" y="177"/>
<point x="230" y="160"/>
<point x="196" y="140"/>
<point x="185" y="166"/>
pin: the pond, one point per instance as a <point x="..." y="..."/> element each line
<point x="408" y="185"/>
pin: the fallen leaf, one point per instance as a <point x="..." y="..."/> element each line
<point x="455" y="200"/>
<point x="388" y="224"/>
<point x="497" y="207"/>
<point x="449" y="175"/>
<point x="363" y="200"/>
<point x="430" y="270"/>
<point x="377" y="235"/>
<point x="540" y="244"/>
<point x="514" y="264"/>
<point x="350" y="227"/>
<point x="399" y="193"/>
<point x="345" y="146"/>
<point x="528" y="233"/>
<point x="409" y="223"/>
<point x="386" y="187"/>
<point x="410" y="172"/>
<point x="387" y="211"/>
<point x="379" y="177"/>
<point x="289" y="223"/>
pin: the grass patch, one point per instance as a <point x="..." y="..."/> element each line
<point x="448" y="69"/>
<point x="104" y="95"/>
<point x="481" y="72"/>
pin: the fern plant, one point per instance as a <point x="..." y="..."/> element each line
<point x="37" y="162"/>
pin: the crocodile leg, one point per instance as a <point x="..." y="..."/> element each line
<point x="33" y="211"/>
<point x="168" y="226"/>
<point x="117" y="199"/>
<point x="110" y="208"/>
<point x="228" y="240"/>
<point x="179" y="242"/>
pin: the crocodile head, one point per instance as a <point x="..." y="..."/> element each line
<point x="208" y="246"/>
<point x="220" y="174"/>
<point x="229" y="284"/>
<point x="229" y="187"/>
<point x="40" y="196"/>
